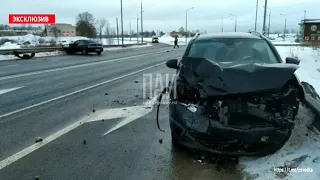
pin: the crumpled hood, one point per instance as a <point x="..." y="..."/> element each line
<point x="213" y="79"/>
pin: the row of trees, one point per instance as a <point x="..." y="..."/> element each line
<point x="22" y="27"/>
<point x="88" y="26"/>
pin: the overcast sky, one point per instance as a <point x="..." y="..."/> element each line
<point x="168" y="15"/>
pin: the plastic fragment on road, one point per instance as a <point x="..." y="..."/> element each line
<point x="38" y="139"/>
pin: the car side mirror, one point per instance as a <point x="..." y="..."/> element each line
<point x="173" y="63"/>
<point x="291" y="60"/>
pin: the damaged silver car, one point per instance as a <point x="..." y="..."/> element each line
<point x="233" y="95"/>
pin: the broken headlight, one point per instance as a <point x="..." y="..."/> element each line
<point x="187" y="94"/>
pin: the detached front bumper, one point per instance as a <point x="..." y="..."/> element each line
<point x="193" y="130"/>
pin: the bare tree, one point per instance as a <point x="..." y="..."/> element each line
<point x="55" y="32"/>
<point x="86" y="17"/>
<point x="108" y="33"/>
<point x="100" y="25"/>
<point x="107" y="29"/>
<point x="85" y="25"/>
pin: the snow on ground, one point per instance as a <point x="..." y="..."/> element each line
<point x="32" y="40"/>
<point x="166" y="39"/>
<point x="130" y="47"/>
<point x="9" y="45"/>
<point x="309" y="70"/>
<point x="302" y="150"/>
<point x="40" y="54"/>
<point x="56" y="53"/>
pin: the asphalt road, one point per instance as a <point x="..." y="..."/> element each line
<point x="92" y="115"/>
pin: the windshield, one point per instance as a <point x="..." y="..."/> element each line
<point x="233" y="50"/>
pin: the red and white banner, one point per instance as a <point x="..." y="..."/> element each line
<point x="32" y="18"/>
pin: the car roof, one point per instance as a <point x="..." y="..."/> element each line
<point x="227" y="35"/>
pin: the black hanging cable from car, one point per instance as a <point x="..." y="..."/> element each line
<point x="164" y="91"/>
<point x="158" y="108"/>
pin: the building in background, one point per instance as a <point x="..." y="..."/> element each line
<point x="310" y="31"/>
<point x="61" y="29"/>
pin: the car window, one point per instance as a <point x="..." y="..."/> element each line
<point x="233" y="50"/>
<point x="82" y="43"/>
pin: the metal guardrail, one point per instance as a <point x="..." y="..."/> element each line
<point x="50" y="49"/>
<point x="30" y="50"/>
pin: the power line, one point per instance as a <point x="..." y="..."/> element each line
<point x="134" y="4"/>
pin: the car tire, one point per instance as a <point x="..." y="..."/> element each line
<point x="99" y="53"/>
<point x="84" y="52"/>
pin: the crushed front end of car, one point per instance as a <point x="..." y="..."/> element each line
<point x="233" y="109"/>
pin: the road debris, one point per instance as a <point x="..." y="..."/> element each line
<point x="106" y="94"/>
<point x="38" y="139"/>
<point x="136" y="81"/>
<point x="84" y="142"/>
<point x="290" y="165"/>
<point x="316" y="160"/>
<point x="93" y="110"/>
<point x="160" y="141"/>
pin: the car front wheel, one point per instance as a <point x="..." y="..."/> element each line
<point x="99" y="53"/>
<point x="84" y="52"/>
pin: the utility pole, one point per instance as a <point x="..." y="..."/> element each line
<point x="121" y="23"/>
<point x="269" y="23"/>
<point x="130" y="30"/>
<point x="117" y="31"/>
<point x="221" y="23"/>
<point x="141" y="24"/>
<point x="265" y="15"/>
<point x="187" y="23"/>
<point x="235" y="25"/>
<point x="186" y="26"/>
<point x="235" y="22"/>
<point x="255" y="24"/>
<point x="137" y="28"/>
<point x="285" y="27"/>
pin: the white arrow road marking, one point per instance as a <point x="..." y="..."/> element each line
<point x="107" y="114"/>
<point x="8" y="90"/>
<point x="143" y="110"/>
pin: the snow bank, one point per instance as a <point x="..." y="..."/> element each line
<point x="40" y="54"/>
<point x="302" y="150"/>
<point x="32" y="40"/>
<point x="130" y="47"/>
<point x="55" y="53"/>
<point x="309" y="70"/>
<point x="10" y="45"/>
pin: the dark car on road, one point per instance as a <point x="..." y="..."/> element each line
<point x="233" y="95"/>
<point x="84" y="46"/>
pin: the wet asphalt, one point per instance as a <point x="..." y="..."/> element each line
<point x="137" y="150"/>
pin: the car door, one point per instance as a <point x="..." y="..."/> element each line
<point x="74" y="46"/>
<point x="82" y="45"/>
